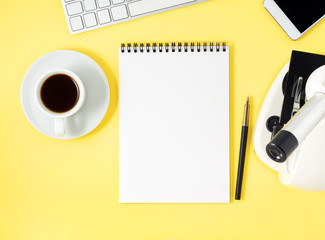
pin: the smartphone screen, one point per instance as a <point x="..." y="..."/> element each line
<point x="302" y="14"/>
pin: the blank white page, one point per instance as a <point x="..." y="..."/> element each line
<point x="174" y="127"/>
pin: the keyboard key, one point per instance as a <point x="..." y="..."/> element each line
<point x="146" y="6"/>
<point x="103" y="3"/>
<point x="89" y="5"/>
<point x="119" y="12"/>
<point x="74" y="8"/>
<point x="90" y="20"/>
<point x="103" y="16"/>
<point x="117" y="1"/>
<point x="76" y="23"/>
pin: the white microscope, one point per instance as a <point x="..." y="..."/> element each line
<point x="289" y="132"/>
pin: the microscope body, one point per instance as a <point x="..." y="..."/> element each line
<point x="304" y="167"/>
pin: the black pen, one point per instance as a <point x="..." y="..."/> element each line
<point x="243" y="142"/>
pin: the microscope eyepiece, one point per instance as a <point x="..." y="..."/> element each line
<point x="281" y="146"/>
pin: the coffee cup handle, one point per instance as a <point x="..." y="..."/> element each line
<point x="59" y="127"/>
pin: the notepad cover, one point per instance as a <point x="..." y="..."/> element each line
<point x="174" y="127"/>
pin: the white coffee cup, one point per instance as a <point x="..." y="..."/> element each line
<point x="60" y="117"/>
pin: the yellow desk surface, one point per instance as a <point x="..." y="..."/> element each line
<point x="68" y="190"/>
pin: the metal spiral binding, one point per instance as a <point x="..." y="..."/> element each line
<point x="173" y="47"/>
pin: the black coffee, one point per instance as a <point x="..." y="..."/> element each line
<point x="59" y="93"/>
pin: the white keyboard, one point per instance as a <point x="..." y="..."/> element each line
<point x="85" y="15"/>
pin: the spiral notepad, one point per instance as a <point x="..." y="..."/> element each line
<point x="174" y="123"/>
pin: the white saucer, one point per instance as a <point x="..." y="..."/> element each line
<point x="97" y="93"/>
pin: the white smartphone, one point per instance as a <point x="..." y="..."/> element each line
<point x="296" y="17"/>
